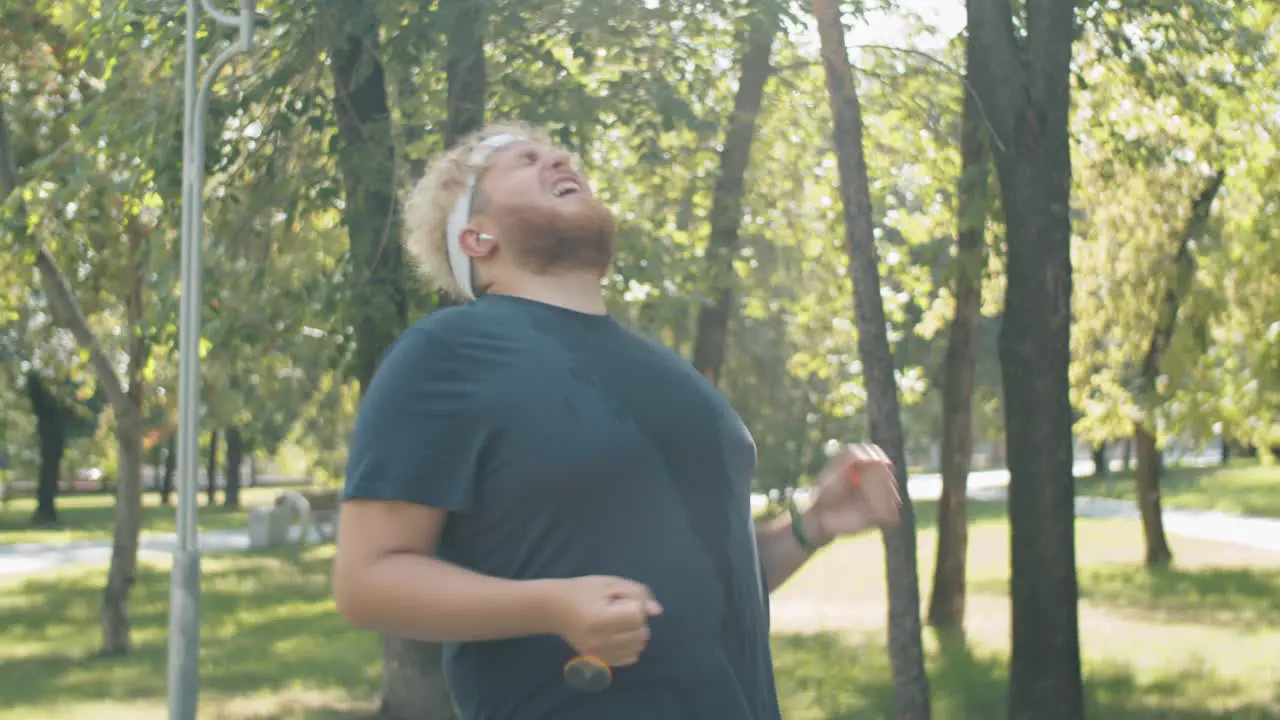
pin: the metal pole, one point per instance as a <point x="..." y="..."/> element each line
<point x="184" y="580"/>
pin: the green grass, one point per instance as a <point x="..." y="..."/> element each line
<point x="92" y="516"/>
<point x="1244" y="488"/>
<point x="1192" y="643"/>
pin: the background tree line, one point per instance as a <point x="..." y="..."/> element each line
<point x="1058" y="220"/>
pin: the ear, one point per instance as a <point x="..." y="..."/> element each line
<point x="476" y="244"/>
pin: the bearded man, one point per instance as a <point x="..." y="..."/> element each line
<point x="547" y="492"/>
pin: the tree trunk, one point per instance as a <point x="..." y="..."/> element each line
<point x="235" y="458"/>
<point x="211" y="469"/>
<point x="156" y="462"/>
<point x="910" y="683"/>
<point x="1024" y="85"/>
<point x="51" y="430"/>
<point x="413" y="684"/>
<point x="127" y="406"/>
<point x="1101" y="465"/>
<point x="946" y="603"/>
<point x="1126" y="461"/>
<point x="124" y="545"/>
<point x="412" y="681"/>
<point x="1158" y="553"/>
<point x="170" y="467"/>
<point x="465" y="73"/>
<point x="712" y="333"/>
<point x="1148" y="476"/>
<point x="366" y="160"/>
<point x="123" y="570"/>
<point x="1225" y="458"/>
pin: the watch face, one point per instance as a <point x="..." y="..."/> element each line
<point x="587" y="674"/>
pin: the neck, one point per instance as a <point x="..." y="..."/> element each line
<point x="579" y="292"/>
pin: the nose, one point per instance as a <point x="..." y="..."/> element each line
<point x="560" y="160"/>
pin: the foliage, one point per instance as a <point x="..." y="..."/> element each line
<point x="103" y="142"/>
<point x="1194" y="102"/>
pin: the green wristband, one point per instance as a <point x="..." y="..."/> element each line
<point x="797" y="528"/>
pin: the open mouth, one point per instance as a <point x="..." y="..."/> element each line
<point x="565" y="188"/>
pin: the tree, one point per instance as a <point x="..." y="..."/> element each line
<point x="947" y="601"/>
<point x="1150" y="355"/>
<point x="712" y="334"/>
<point x="125" y="399"/>
<point x="910" y="683"/>
<point x="53" y="416"/>
<point x="411" y="685"/>
<point x="211" y="469"/>
<point x="1023" y="81"/>
<point x="1149" y="462"/>
<point x="234" y="464"/>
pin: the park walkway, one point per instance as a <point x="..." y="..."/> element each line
<point x="990" y="485"/>
<point x="31" y="558"/>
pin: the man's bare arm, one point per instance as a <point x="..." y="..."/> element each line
<point x="386" y="578"/>
<point x="780" y="553"/>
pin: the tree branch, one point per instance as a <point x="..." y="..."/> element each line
<point x="68" y="311"/>
<point x="65" y="307"/>
<point x="969" y="90"/>
<point x="1184" y="270"/>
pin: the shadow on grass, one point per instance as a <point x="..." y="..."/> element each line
<point x="268" y="626"/>
<point x="834" y="677"/>
<point x="1242" y="597"/>
<point x="1243" y="488"/>
<point x="978" y="512"/>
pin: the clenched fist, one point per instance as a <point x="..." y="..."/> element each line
<point x="856" y="491"/>
<point x="606" y="617"/>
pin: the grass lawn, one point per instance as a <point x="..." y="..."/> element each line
<point x="92" y="516"/>
<point x="1196" y="642"/>
<point x="1244" y="488"/>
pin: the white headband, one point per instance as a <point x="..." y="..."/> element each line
<point x="459" y="261"/>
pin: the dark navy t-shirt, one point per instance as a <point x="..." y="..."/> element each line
<point x="563" y="445"/>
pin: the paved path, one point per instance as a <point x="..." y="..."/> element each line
<point x="30" y="558"/>
<point x="992" y="485"/>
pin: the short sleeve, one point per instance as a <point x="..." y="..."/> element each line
<point x="417" y="435"/>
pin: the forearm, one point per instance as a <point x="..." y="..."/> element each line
<point x="423" y="598"/>
<point x="781" y="555"/>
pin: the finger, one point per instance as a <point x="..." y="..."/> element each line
<point x="623" y="615"/>
<point x="867" y="454"/>
<point x="891" y="481"/>
<point x="633" y="641"/>
<point x="624" y="659"/>
<point x="632" y="590"/>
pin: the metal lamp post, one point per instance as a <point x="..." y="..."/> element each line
<point x="184" y="580"/>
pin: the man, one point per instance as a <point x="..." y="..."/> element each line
<point x="530" y="482"/>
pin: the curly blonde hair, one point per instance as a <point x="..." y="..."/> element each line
<point x="431" y="199"/>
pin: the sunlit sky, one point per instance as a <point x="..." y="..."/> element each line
<point x="947" y="16"/>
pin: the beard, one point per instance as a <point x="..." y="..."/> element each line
<point x="547" y="239"/>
